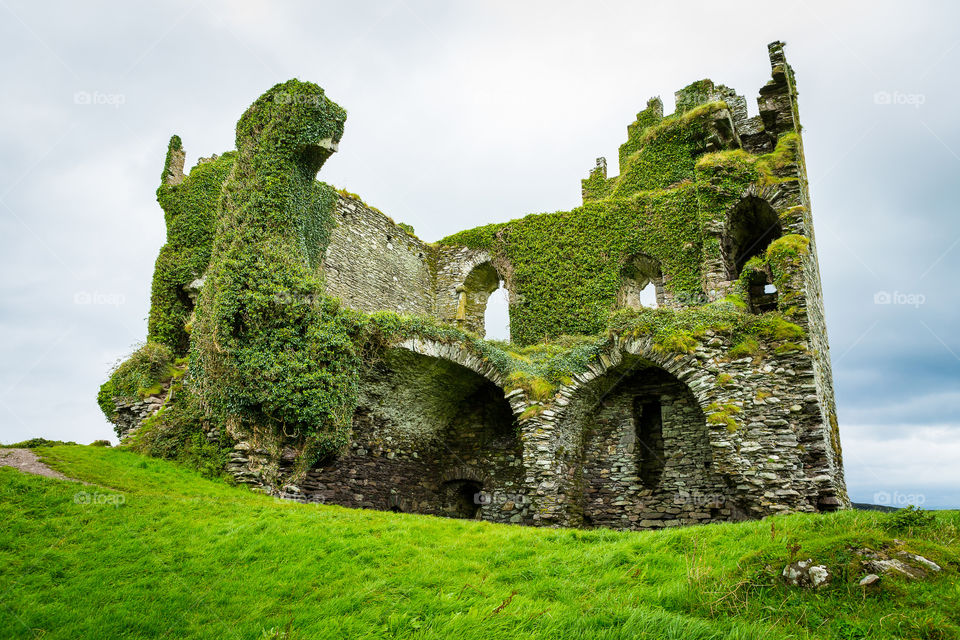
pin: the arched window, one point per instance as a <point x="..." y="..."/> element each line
<point x="751" y="226"/>
<point x="472" y="297"/>
<point x="641" y="283"/>
<point x="496" y="318"/>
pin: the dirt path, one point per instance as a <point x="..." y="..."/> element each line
<point x="28" y="462"/>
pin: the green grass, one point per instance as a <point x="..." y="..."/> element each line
<point x="181" y="556"/>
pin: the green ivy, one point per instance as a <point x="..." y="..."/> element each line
<point x="270" y="352"/>
<point x="137" y="376"/>
<point x="190" y="210"/>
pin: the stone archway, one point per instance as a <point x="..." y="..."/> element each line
<point x="645" y="456"/>
<point x="750" y="228"/>
<point x="638" y="275"/>
<point x="472" y="297"/>
<point x="556" y="441"/>
<point x="432" y="431"/>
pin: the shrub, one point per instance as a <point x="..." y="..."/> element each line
<point x="178" y="432"/>
<point x="137" y="376"/>
<point x="908" y="518"/>
<point x="34" y="443"/>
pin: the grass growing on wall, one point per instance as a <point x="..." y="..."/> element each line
<point x="158" y="551"/>
<point x="140" y="375"/>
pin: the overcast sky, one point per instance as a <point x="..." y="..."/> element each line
<point x="464" y="113"/>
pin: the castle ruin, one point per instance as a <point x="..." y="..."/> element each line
<point x="713" y="403"/>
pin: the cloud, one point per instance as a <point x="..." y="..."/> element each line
<point x="905" y="464"/>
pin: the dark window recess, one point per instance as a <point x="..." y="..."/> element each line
<point x="751" y="227"/>
<point x="648" y="421"/>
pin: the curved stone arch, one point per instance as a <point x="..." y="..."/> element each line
<point x="465" y="280"/>
<point x="458" y="354"/>
<point x="554" y="438"/>
<point x="777" y="206"/>
<point x="684" y="368"/>
<point x="465" y="472"/>
<point x="476" y="258"/>
<point x="749" y="227"/>
<point x="781" y="199"/>
<point x="638" y="271"/>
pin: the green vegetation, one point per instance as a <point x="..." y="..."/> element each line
<point x="272" y="358"/>
<point x="140" y="375"/>
<point x="723" y="414"/>
<point x="539" y="369"/>
<point x="271" y="354"/>
<point x="910" y="518"/>
<point x="34" y="443"/>
<point x="680" y="331"/>
<point x="178" y="432"/>
<point x="189" y="209"/>
<point x="160" y="551"/>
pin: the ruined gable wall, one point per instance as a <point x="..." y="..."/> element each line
<point x="372" y="264"/>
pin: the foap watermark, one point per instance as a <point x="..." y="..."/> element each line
<point x="485" y="498"/>
<point x="899" y="500"/>
<point x="99" y="499"/>
<point x="914" y="100"/>
<point x="899" y="298"/>
<point x="285" y="97"/>
<point x="695" y="499"/>
<point x="99" y="298"/>
<point x="99" y="98"/>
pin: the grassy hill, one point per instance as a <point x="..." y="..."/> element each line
<point x="150" y="549"/>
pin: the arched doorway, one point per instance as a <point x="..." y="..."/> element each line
<point x="461" y="499"/>
<point x="646" y="459"/>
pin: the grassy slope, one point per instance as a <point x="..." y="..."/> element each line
<point x="188" y="557"/>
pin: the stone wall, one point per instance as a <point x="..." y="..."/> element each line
<point x="372" y="264"/>
<point x="434" y="420"/>
<point x="662" y="477"/>
<point x="465" y="280"/>
<point x="457" y="454"/>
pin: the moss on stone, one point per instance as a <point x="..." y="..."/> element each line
<point x="137" y="377"/>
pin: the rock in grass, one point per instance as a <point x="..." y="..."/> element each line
<point x="804" y="573"/>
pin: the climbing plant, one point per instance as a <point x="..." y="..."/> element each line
<point x="270" y="352"/>
<point x="190" y="210"/>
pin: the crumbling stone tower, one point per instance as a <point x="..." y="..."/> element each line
<point x="669" y="361"/>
